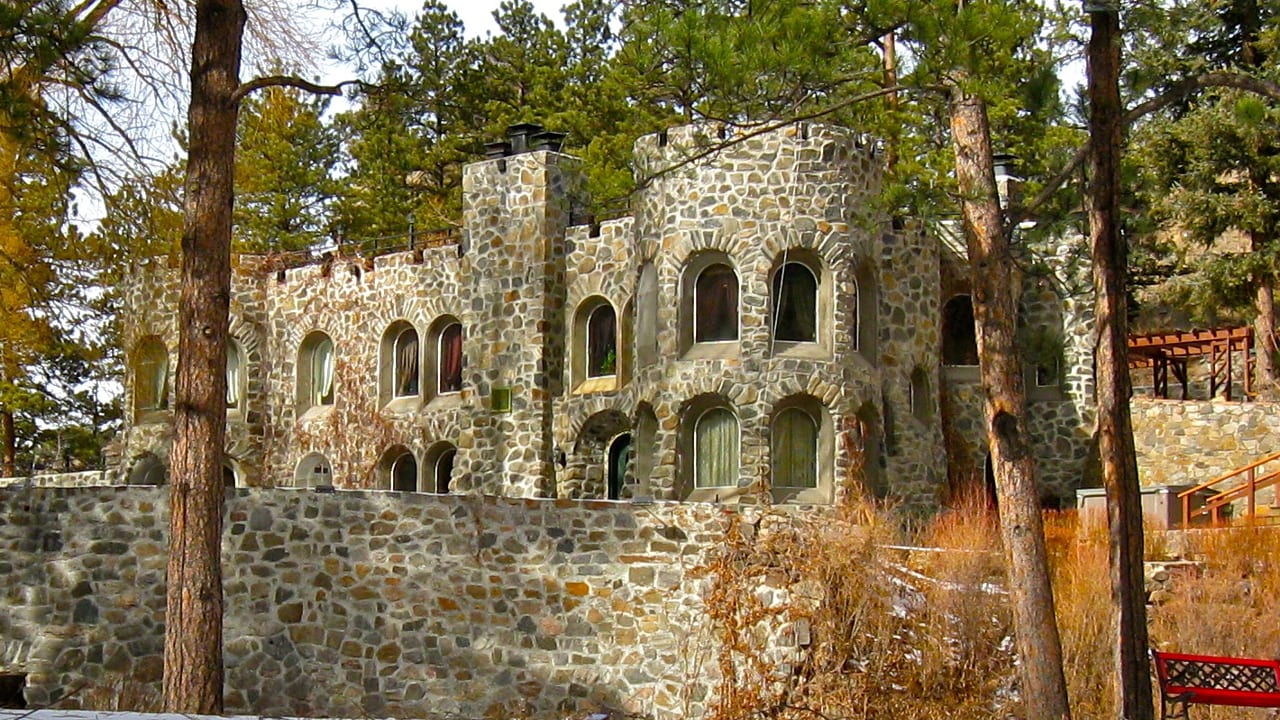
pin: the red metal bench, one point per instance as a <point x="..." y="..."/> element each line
<point x="1209" y="680"/>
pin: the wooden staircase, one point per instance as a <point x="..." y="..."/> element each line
<point x="1225" y="491"/>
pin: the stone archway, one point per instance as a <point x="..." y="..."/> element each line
<point x="586" y="473"/>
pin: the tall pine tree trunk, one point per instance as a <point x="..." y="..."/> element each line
<point x="995" y="303"/>
<point x="193" y="622"/>
<point x="8" y="444"/>
<point x="1264" y="327"/>
<point x="1115" y="427"/>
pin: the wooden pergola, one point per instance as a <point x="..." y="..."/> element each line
<point x="1169" y="352"/>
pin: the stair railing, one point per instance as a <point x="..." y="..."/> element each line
<point x="1251" y="481"/>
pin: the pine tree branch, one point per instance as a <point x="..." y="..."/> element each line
<point x="1178" y="91"/>
<point x="267" y="81"/>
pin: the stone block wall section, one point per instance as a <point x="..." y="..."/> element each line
<point x="359" y="604"/>
<point x="1190" y="442"/>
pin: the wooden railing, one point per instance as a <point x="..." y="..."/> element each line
<point x="1250" y="479"/>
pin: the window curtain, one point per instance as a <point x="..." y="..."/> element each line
<point x="716" y="449"/>
<point x="451" y="359"/>
<point x="602" y="342"/>
<point x="322" y="373"/>
<point x="716" y="305"/>
<point x="234" y="376"/>
<point x="795" y="298"/>
<point x="795" y="450"/>
<point x="406" y="375"/>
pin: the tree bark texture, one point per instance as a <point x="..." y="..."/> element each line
<point x="995" y="301"/>
<point x="193" y="670"/>
<point x="1264" y="329"/>
<point x="8" y="444"/>
<point x="1115" y="427"/>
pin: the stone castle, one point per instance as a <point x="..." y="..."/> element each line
<point x="539" y="430"/>
<point x="756" y="329"/>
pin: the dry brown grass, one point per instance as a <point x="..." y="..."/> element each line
<point x="899" y="633"/>
<point x="855" y="624"/>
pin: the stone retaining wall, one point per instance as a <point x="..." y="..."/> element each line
<point x="372" y="603"/>
<point x="1190" y="442"/>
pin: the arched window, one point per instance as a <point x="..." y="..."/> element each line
<point x="715" y="305"/>
<point x="864" y="315"/>
<point x="150" y="376"/>
<point x="148" y="470"/>
<point x="228" y="475"/>
<point x="795" y="449"/>
<point x="404" y="366"/>
<point x="715" y="449"/>
<point x="602" y="342"/>
<point x="619" y="464"/>
<point x="440" y="460"/>
<point x="802" y="452"/>
<point x="959" y="339"/>
<point x="921" y="398"/>
<point x="316" y="364"/>
<point x="449" y="359"/>
<point x="647" y="316"/>
<point x="235" y="376"/>
<point x="795" y="303"/>
<point x="404" y="473"/>
<point x="313" y="471"/>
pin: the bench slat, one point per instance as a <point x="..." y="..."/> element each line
<point x="1217" y="680"/>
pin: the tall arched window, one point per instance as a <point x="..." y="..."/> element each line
<point x="602" y="342"/>
<point x="404" y="366"/>
<point x="795" y="303"/>
<point x="150" y="376"/>
<point x="921" y="397"/>
<point x="959" y="339"/>
<point x="795" y="449"/>
<point x="715" y="304"/>
<point x="715" y="449"/>
<point x="449" y="359"/>
<point x="404" y="473"/>
<point x="235" y="376"/>
<point x="647" y="316"/>
<point x="315" y="371"/>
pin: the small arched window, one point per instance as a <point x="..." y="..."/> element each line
<point x="440" y="461"/>
<point x="404" y="473"/>
<point x="449" y="359"/>
<point x="795" y="304"/>
<point x="602" y="342"/>
<point x="795" y="449"/>
<point x="313" y="471"/>
<point x="151" y="376"/>
<point x="404" y="365"/>
<point x="715" y="449"/>
<point x="715" y="305"/>
<point x="149" y="470"/>
<point x="235" y="376"/>
<point x="620" y="454"/>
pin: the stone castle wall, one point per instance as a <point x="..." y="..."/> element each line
<point x="367" y="604"/>
<point x="518" y="281"/>
<point x="1190" y="442"/>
